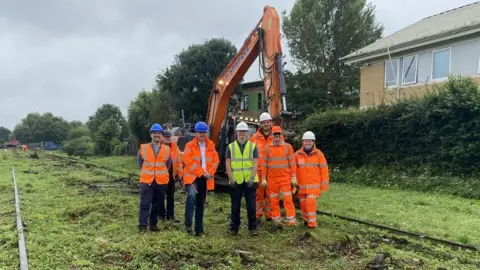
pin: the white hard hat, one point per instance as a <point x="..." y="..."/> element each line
<point x="265" y="116"/>
<point x="242" y="126"/>
<point x="308" y="136"/>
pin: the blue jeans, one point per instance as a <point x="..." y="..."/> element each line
<point x="196" y="196"/>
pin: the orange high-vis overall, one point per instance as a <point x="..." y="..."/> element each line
<point x="312" y="177"/>
<point x="279" y="166"/>
<point x="192" y="158"/>
<point x="154" y="167"/>
<point x="263" y="205"/>
<point x="176" y="160"/>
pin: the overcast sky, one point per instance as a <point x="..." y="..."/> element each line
<point x="69" y="57"/>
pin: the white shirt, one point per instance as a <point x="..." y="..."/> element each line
<point x="202" y="152"/>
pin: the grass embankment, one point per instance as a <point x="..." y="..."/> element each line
<point x="8" y="223"/>
<point x="74" y="219"/>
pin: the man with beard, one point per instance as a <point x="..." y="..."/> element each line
<point x="262" y="138"/>
<point x="154" y="160"/>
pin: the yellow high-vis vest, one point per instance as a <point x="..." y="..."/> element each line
<point x="242" y="164"/>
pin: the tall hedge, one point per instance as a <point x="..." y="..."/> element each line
<point x="440" y="130"/>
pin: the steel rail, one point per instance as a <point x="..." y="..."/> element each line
<point x="393" y="229"/>
<point x="22" y="250"/>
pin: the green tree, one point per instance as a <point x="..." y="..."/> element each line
<point x="104" y="113"/>
<point x="4" y="132"/>
<point x="107" y="136"/>
<point x="148" y="108"/>
<point x="75" y="124"/>
<point x="191" y="77"/>
<point x="78" y="132"/>
<point x="42" y="127"/>
<point x="319" y="33"/>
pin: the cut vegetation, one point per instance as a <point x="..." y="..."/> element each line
<point x="77" y="217"/>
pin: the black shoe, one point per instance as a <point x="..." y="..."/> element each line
<point x="269" y="219"/>
<point x="154" y="228"/>
<point x="198" y="234"/>
<point x="188" y="230"/>
<point x="142" y="229"/>
<point x="232" y="232"/>
<point x="254" y="232"/>
<point x="305" y="223"/>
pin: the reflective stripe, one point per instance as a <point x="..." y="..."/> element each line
<point x="278" y="166"/>
<point x="309" y="186"/>
<point x="302" y="199"/>
<point x="310" y="196"/>
<point x="312" y="219"/>
<point x="290" y="217"/>
<point x="312" y="213"/>
<point x="192" y="167"/>
<point x="273" y="195"/>
<point x="322" y="165"/>
<point x="325" y="183"/>
<point x="288" y="193"/>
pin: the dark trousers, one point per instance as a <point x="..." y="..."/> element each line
<point x="196" y="196"/>
<point x="151" y="196"/>
<point x="236" y="194"/>
<point x="170" y="199"/>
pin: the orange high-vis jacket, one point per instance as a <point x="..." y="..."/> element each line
<point x="192" y="158"/>
<point x="154" y="168"/>
<point x="177" y="160"/>
<point x="312" y="172"/>
<point x="279" y="162"/>
<point x="259" y="140"/>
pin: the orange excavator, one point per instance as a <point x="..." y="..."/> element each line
<point x="264" y="42"/>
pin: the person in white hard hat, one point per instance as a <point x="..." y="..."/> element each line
<point x="312" y="177"/>
<point x="242" y="166"/>
<point x="262" y="138"/>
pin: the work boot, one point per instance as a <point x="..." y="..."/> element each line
<point x="189" y="230"/>
<point x="142" y="229"/>
<point x="269" y="219"/>
<point x="154" y="228"/>
<point x="254" y="232"/>
<point x="232" y="232"/>
<point x="198" y="234"/>
<point x="305" y="223"/>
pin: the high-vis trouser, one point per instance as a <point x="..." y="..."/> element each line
<point x="263" y="203"/>
<point x="275" y="187"/>
<point x="308" y="204"/>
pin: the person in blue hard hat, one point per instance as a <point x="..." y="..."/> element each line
<point x="153" y="159"/>
<point x="201" y="162"/>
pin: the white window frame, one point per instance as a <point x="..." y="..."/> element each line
<point x="397" y="75"/>
<point x="449" y="63"/>
<point x="416" y="69"/>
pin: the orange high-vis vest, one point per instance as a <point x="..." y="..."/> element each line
<point x="279" y="162"/>
<point x="312" y="172"/>
<point x="177" y="162"/>
<point x="154" y="168"/>
<point x="259" y="140"/>
<point x="192" y="158"/>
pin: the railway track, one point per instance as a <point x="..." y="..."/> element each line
<point x="22" y="249"/>
<point x="417" y="235"/>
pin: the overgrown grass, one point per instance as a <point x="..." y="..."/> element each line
<point x="74" y="221"/>
<point x="419" y="179"/>
<point x="8" y="232"/>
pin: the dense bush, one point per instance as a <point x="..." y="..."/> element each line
<point x="81" y="146"/>
<point x="440" y="131"/>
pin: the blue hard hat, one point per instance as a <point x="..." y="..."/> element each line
<point x="156" y="128"/>
<point x="201" y="127"/>
<point x="167" y="133"/>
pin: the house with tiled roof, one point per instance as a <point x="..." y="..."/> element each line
<point x="406" y="62"/>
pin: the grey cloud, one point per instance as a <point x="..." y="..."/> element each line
<point x="69" y="56"/>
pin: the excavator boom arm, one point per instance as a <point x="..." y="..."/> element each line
<point x="263" y="41"/>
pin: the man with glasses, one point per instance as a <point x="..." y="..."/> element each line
<point x="262" y="138"/>
<point x="279" y="174"/>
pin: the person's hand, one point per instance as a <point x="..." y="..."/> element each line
<point x="294" y="181"/>
<point x="207" y="175"/>
<point x="264" y="182"/>
<point x="250" y="182"/>
<point x="232" y="183"/>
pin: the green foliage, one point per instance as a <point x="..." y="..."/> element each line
<point x="79" y="146"/>
<point x="148" y="108"/>
<point x="78" y="132"/>
<point x="107" y="137"/>
<point x="42" y="127"/>
<point x="191" y="77"/>
<point x="319" y="33"/>
<point x="4" y="132"/>
<point x="104" y="113"/>
<point x="440" y="131"/>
